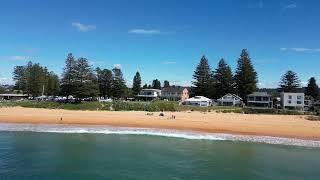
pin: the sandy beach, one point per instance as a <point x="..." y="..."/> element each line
<point x="270" y="125"/>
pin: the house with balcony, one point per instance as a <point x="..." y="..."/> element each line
<point x="292" y="100"/>
<point x="230" y="100"/>
<point x="261" y="100"/>
<point x="149" y="94"/>
<point x="174" y="93"/>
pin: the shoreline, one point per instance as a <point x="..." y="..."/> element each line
<point x="285" y="126"/>
<point x="169" y="133"/>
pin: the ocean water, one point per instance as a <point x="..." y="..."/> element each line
<point x="77" y="152"/>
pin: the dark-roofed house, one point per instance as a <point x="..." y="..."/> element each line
<point x="259" y="100"/>
<point x="175" y="93"/>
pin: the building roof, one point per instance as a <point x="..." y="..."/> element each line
<point x="198" y="99"/>
<point x="175" y="89"/>
<point x="158" y="90"/>
<point x="297" y="93"/>
<point x="233" y="95"/>
<point x="257" y="94"/>
<point x="15" y="95"/>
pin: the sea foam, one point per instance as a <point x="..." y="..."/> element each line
<point x="101" y="129"/>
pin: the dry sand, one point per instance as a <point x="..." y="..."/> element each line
<point x="269" y="125"/>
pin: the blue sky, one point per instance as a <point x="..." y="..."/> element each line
<point x="163" y="39"/>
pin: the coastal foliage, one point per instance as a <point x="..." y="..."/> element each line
<point x="104" y="77"/>
<point x="289" y="82"/>
<point x="156" y="84"/>
<point x="35" y="80"/>
<point x="245" y="77"/>
<point x="273" y="111"/>
<point x="119" y="87"/>
<point x="145" y="86"/>
<point x="68" y="76"/>
<point x="154" y="106"/>
<point x="223" y="79"/>
<point x="2" y="90"/>
<point x="136" y="86"/>
<point x="215" y="84"/>
<point x="86" y="85"/>
<point x="203" y="79"/>
<point x="166" y="84"/>
<point x="312" y="88"/>
<point x="78" y="80"/>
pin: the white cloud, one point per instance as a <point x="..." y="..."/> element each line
<point x="117" y="66"/>
<point x="145" y="31"/>
<point x="82" y="27"/>
<point x="18" y="58"/>
<point x="301" y="49"/>
<point x="169" y="62"/>
<point x="6" y="80"/>
<point x="290" y="6"/>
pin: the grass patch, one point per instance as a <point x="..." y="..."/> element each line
<point x="154" y="106"/>
<point x="222" y="109"/>
<point x="274" y="111"/>
<point x="55" y="105"/>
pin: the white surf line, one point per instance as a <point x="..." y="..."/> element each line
<point x="98" y="129"/>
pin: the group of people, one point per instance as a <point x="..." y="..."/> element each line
<point x="171" y="117"/>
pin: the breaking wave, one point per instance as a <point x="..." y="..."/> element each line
<point x="97" y="129"/>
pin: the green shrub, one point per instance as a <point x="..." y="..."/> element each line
<point x="164" y="105"/>
<point x="152" y="108"/>
<point x="129" y="106"/>
<point x="273" y="111"/>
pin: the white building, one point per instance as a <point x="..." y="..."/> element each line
<point x="149" y="94"/>
<point x="292" y="100"/>
<point x="198" y="101"/>
<point x="13" y="96"/>
<point x="230" y="100"/>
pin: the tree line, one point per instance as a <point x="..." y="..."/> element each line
<point x="216" y="83"/>
<point x="35" y="80"/>
<point x="220" y="81"/>
<point x="78" y="79"/>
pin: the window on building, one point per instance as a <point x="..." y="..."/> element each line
<point x="299" y="97"/>
<point x="289" y="101"/>
<point x="265" y="98"/>
<point x="299" y="102"/>
<point x="290" y="97"/>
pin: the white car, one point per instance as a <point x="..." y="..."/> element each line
<point x="105" y="100"/>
